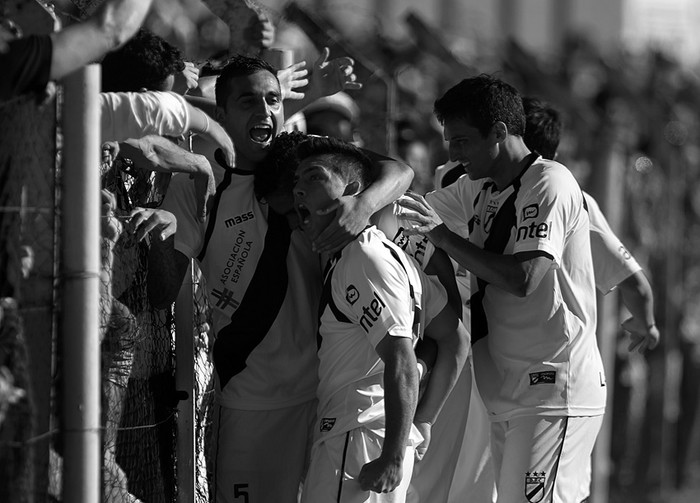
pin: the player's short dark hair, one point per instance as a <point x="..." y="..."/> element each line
<point x="144" y="62"/>
<point x="482" y="101"/>
<point x="345" y="159"/>
<point x="239" y="66"/>
<point x="542" y="127"/>
<point x="277" y="172"/>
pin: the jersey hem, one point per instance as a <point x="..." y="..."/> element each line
<point x="561" y="412"/>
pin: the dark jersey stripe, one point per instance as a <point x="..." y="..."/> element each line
<point x="503" y="223"/>
<point x="260" y="305"/>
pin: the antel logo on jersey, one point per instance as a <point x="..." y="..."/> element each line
<point x="531" y="211"/>
<point x="534" y="230"/>
<point x="351" y="294"/>
<point x="239" y="219"/>
<point x="327" y="423"/>
<point x="371" y="313"/>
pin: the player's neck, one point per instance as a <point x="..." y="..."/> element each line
<point x="514" y="158"/>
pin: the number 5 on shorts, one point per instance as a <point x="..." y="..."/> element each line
<point x="241" y="490"/>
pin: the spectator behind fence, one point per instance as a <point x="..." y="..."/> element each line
<point x="263" y="284"/>
<point x="148" y="62"/>
<point x="30" y="62"/>
<point x="528" y="236"/>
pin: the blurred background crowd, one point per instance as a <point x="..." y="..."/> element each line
<point x="623" y="75"/>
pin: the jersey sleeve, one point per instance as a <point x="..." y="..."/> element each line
<point x="612" y="263"/>
<point x="454" y="204"/>
<point x="417" y="246"/>
<point x="133" y="115"/>
<point x="180" y="200"/>
<point x="434" y="298"/>
<point x="374" y="292"/>
<point x="551" y="208"/>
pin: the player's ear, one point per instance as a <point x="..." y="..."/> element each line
<point x="352" y="188"/>
<point x="219" y="114"/>
<point x="499" y="131"/>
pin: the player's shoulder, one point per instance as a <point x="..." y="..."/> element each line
<point x="369" y="252"/>
<point x="551" y="174"/>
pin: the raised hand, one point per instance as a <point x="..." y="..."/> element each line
<point x="187" y="79"/>
<point x="332" y="76"/>
<point x="291" y="78"/>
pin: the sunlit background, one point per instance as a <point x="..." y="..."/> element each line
<point x="624" y="75"/>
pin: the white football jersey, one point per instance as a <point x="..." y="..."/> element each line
<point x="263" y="288"/>
<point x="611" y="260"/>
<point x="541" y="356"/>
<point x="371" y="290"/>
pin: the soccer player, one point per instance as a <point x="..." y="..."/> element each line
<point x="374" y="306"/>
<point x="518" y="224"/>
<point x="264" y="284"/>
<point x="613" y="264"/>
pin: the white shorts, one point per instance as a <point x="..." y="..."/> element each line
<point x="544" y="459"/>
<point x="336" y="463"/>
<point x="261" y="455"/>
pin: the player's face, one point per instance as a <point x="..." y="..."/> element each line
<point x="316" y="187"/>
<point x="253" y="114"/>
<point x="468" y="147"/>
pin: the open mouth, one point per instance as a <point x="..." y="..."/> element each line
<point x="261" y="133"/>
<point x="304" y="214"/>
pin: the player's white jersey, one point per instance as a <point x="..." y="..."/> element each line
<point x="542" y="354"/>
<point x="371" y="290"/>
<point x="611" y="260"/>
<point x="264" y="305"/>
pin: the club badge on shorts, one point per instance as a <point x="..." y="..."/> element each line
<point x="534" y="486"/>
<point x="327" y="423"/>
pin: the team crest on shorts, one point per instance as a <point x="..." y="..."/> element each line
<point x="327" y="423"/>
<point x="534" y="486"/>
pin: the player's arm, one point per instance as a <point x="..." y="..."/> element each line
<point x="452" y="342"/>
<point x="166" y="270"/>
<point x="400" y="396"/>
<point x="639" y="300"/>
<point x="114" y="23"/>
<point x="440" y="266"/>
<point x="353" y="212"/>
<point x="519" y="274"/>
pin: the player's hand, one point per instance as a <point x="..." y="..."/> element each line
<point x="332" y="76"/>
<point x="351" y="218"/>
<point x="381" y="475"/>
<point x="425" y="429"/>
<point x="142" y="221"/>
<point x="414" y="208"/>
<point x="218" y="135"/>
<point x="291" y="78"/>
<point x="643" y="336"/>
<point x="187" y="79"/>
